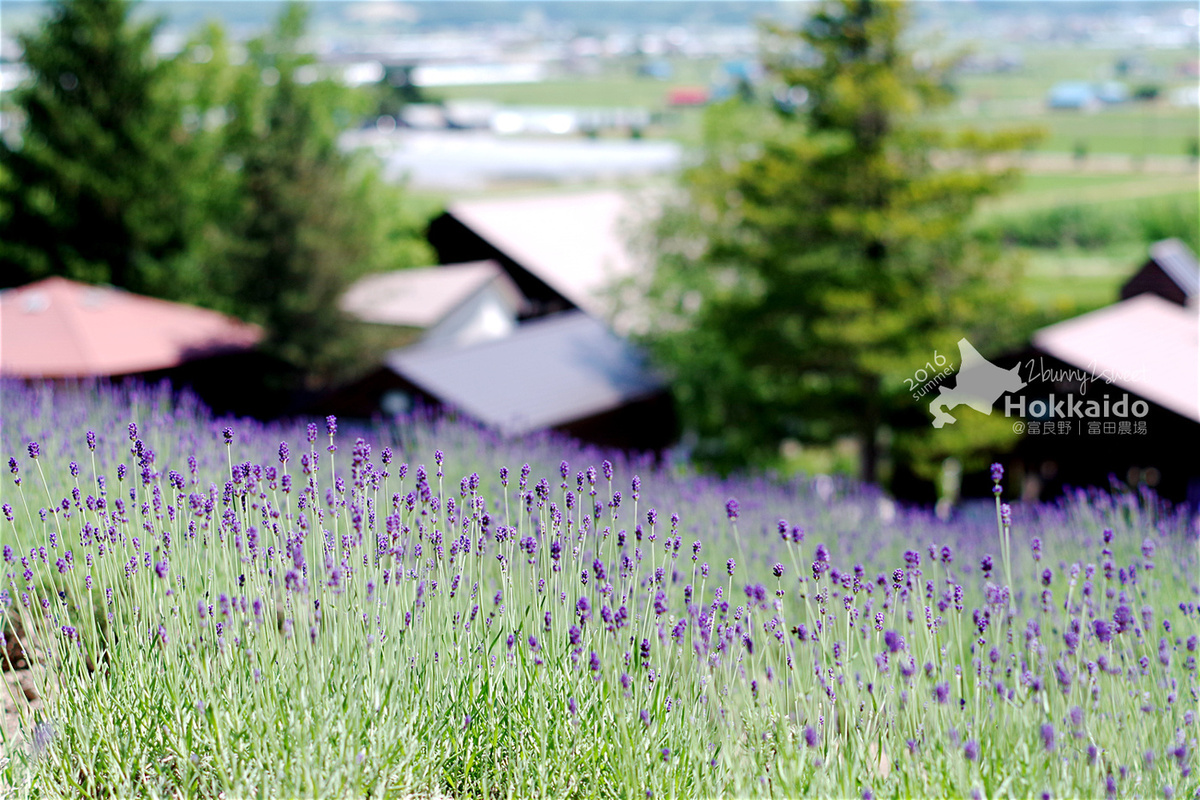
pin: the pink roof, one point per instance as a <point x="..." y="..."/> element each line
<point x="57" y="328"/>
<point x="1147" y="345"/>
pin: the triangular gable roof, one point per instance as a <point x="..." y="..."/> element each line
<point x="1149" y="346"/>
<point x="550" y="372"/>
<point x="422" y="297"/>
<point x="1179" y="263"/>
<point x="58" y="328"/>
<point x="574" y="242"/>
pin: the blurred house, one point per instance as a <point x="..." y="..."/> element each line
<point x="508" y="333"/>
<point x="458" y="304"/>
<point x="1088" y="96"/>
<point x="687" y="96"/>
<point x="563" y="251"/>
<point x="1170" y="272"/>
<point x="58" y="329"/>
<point x="1144" y="348"/>
<point x="1072" y="95"/>
<point x="567" y="372"/>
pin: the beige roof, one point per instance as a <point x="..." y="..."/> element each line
<point x="1149" y="346"/>
<point x="422" y="297"/>
<point x="58" y="328"/>
<point x="576" y="243"/>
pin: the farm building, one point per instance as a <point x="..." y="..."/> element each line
<point x="1170" y="272"/>
<point x="566" y="372"/>
<point x="58" y="329"/>
<point x="457" y="304"/>
<point x="563" y="251"/>
<point x="1145" y="348"/>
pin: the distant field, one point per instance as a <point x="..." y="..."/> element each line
<point x="1082" y="236"/>
<point x="1115" y="202"/>
<point x="1071" y="281"/>
<point x="1133" y="128"/>
<point x="618" y="85"/>
<point x="1043" y="191"/>
<point x="990" y="101"/>
<point x="986" y="101"/>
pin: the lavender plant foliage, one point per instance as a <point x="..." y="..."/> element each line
<point x="194" y="618"/>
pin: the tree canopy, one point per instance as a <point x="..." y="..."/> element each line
<point x="93" y="189"/>
<point x="821" y="251"/>
<point x="203" y="178"/>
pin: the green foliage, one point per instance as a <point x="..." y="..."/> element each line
<point x="300" y="219"/>
<point x="203" y="179"/>
<point x="1094" y="226"/>
<point x="818" y="255"/>
<point x="93" y="189"/>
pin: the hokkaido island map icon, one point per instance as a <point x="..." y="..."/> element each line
<point x="979" y="384"/>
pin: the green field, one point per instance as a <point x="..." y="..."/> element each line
<point x="1081" y="236"/>
<point x="985" y="101"/>
<point x="616" y="85"/>
<point x="1073" y="280"/>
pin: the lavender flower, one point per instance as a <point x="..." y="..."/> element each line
<point x="1123" y="618"/>
<point x="1048" y="737"/>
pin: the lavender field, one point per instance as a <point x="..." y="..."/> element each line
<point x="222" y="608"/>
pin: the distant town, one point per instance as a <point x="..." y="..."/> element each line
<point x="478" y="87"/>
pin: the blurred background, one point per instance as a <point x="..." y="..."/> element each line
<point x="743" y="235"/>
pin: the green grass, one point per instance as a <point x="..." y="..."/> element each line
<point x="1080" y="237"/>
<point x="1071" y="281"/>
<point x="1047" y="190"/>
<point x="1019" y="98"/>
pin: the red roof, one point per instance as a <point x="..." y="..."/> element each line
<point x="687" y="96"/>
<point x="57" y="328"/>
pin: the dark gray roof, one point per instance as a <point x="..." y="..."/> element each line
<point x="549" y="372"/>
<point x="1179" y="263"/>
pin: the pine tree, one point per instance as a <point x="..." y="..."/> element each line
<point x="199" y="179"/>
<point x="820" y="252"/>
<point x="310" y="218"/>
<point x="92" y="190"/>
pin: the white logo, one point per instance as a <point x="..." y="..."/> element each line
<point x="979" y="384"/>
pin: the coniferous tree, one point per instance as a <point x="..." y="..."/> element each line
<point x="201" y="178"/>
<point x="92" y="190"/>
<point x="309" y="218"/>
<point x="820" y="255"/>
